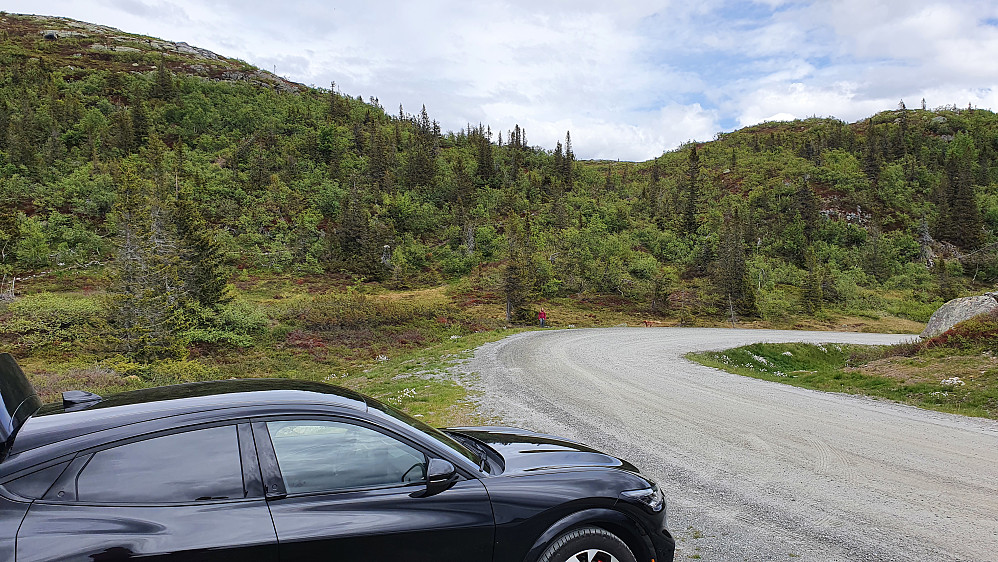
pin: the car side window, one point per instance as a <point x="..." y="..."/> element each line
<point x="199" y="465"/>
<point x="326" y="456"/>
<point x="34" y="485"/>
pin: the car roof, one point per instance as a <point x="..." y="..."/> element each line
<point x="55" y="422"/>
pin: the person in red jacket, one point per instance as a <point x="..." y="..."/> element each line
<point x="542" y="316"/>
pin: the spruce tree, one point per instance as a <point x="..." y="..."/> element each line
<point x="140" y="120"/>
<point x="692" y="191"/>
<point x="813" y="295"/>
<point x="354" y="224"/>
<point x="809" y="208"/>
<point x="964" y="225"/>
<point x="731" y="270"/>
<point x="163" y="87"/>
<point x="485" y="169"/>
<point x="205" y="274"/>
<point x="516" y="276"/>
<point x="567" y="162"/>
<point x="10" y="232"/>
<point x="140" y="311"/>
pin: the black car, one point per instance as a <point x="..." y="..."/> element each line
<point x="289" y="470"/>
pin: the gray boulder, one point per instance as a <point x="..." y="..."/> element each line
<point x="958" y="310"/>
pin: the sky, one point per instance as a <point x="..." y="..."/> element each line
<point x="629" y="80"/>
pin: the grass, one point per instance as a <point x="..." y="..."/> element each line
<point x="393" y="344"/>
<point x="415" y="381"/>
<point x="943" y="379"/>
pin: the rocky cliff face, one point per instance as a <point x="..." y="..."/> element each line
<point x="958" y="310"/>
<point x="75" y="44"/>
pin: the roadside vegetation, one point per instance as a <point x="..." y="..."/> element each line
<point x="395" y="346"/>
<point x="954" y="372"/>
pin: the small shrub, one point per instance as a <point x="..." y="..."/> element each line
<point x="243" y="318"/>
<point x="48" y="318"/>
<point x="359" y="311"/>
<point x="214" y="336"/>
<point x="168" y="372"/>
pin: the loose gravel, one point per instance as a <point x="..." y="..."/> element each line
<point x="755" y="470"/>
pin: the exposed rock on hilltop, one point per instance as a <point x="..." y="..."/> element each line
<point x="76" y="44"/>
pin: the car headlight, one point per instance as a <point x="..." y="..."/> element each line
<point x="651" y="497"/>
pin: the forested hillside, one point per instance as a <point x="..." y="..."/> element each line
<point x="170" y="178"/>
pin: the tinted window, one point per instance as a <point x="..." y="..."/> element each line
<point x="35" y="485"/>
<point x="320" y="456"/>
<point x="197" y="465"/>
<point x="431" y="431"/>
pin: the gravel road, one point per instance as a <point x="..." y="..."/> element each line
<point x="755" y="470"/>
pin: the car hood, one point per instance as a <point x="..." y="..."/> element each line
<point x="525" y="451"/>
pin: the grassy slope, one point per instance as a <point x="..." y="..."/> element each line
<point x="960" y="380"/>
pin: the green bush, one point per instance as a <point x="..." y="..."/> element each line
<point x="51" y="318"/>
<point x="352" y="310"/>
<point x="168" y="372"/>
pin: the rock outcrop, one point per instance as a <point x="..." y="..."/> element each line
<point x="76" y="43"/>
<point x="958" y="310"/>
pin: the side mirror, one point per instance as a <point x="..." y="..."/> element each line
<point x="440" y="475"/>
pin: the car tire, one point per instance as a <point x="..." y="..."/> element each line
<point x="587" y="544"/>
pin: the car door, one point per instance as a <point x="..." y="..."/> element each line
<point x="347" y="488"/>
<point x="187" y="495"/>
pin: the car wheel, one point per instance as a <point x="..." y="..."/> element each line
<point x="588" y="544"/>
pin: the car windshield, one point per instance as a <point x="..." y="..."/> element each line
<point x="433" y="432"/>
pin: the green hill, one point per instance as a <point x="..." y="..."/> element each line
<point x="170" y="196"/>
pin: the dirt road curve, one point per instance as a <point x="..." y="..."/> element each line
<point x="755" y="470"/>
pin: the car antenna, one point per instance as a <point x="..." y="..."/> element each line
<point x="79" y="399"/>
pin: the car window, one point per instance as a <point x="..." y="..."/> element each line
<point x="200" y="465"/>
<point x="428" y="430"/>
<point x="35" y="485"/>
<point x="324" y="456"/>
